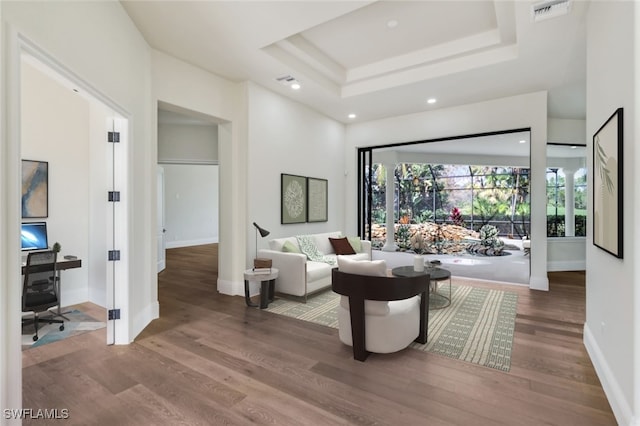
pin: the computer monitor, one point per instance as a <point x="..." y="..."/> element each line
<point x="34" y="236"/>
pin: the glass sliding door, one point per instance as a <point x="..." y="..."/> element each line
<point x="365" y="192"/>
<point x="440" y="198"/>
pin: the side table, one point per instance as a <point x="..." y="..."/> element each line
<point x="267" y="286"/>
<point x="437" y="299"/>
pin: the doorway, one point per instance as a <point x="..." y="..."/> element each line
<point x="84" y="139"/>
<point x="445" y="197"/>
<point x="188" y="179"/>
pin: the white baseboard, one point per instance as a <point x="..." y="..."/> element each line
<point x="566" y="265"/>
<point x="539" y="283"/>
<point x="151" y="312"/>
<point x="230" y="288"/>
<point x="620" y="406"/>
<point x="155" y="310"/>
<point x="189" y="243"/>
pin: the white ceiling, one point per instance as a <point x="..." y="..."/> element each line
<point x="348" y="60"/>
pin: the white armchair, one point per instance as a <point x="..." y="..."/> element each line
<point x="378" y="313"/>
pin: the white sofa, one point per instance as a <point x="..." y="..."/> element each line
<point x="299" y="276"/>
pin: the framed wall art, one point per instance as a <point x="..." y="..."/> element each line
<point x="293" y="199"/>
<point x="317" y="209"/>
<point x="35" y="189"/>
<point x="608" y="185"/>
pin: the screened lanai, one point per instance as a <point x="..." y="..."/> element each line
<point x="462" y="201"/>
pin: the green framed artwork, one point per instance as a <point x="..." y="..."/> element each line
<point x="317" y="209"/>
<point x="293" y="199"/>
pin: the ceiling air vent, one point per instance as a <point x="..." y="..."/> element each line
<point x="550" y="9"/>
<point x="290" y="81"/>
<point x="286" y="80"/>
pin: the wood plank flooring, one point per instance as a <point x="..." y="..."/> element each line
<point x="210" y="360"/>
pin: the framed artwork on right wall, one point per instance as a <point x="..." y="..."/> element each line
<point x="608" y="185"/>
<point x="317" y="192"/>
<point x="293" y="199"/>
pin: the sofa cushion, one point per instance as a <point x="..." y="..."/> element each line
<point x="317" y="270"/>
<point x="322" y="241"/>
<point x="341" y="246"/>
<point x="355" y="243"/>
<point x="277" y="243"/>
<point x="289" y="247"/>
<point x="376" y="268"/>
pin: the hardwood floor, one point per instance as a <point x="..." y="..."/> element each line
<point x="210" y="360"/>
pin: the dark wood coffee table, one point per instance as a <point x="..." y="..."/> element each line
<point x="437" y="300"/>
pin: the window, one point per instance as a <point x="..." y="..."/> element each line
<point x="557" y="203"/>
<point x="566" y="212"/>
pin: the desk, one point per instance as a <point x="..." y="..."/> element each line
<point x="61" y="265"/>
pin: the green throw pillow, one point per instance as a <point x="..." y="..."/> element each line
<point x="289" y="247"/>
<point x="355" y="243"/>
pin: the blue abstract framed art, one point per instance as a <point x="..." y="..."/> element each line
<point x="35" y="189"/>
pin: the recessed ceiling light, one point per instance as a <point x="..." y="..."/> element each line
<point x="432" y="100"/>
<point x="392" y="23"/>
<point x="573" y="147"/>
<point x="522" y="141"/>
<point x="295" y="86"/>
<point x="352" y="116"/>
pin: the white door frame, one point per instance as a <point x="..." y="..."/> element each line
<point x="160" y="225"/>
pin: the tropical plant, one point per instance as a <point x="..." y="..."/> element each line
<point x="489" y="237"/>
<point x="403" y="234"/>
<point x="456" y="217"/>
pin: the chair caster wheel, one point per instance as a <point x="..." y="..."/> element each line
<point x="35" y="338"/>
<point x="61" y="328"/>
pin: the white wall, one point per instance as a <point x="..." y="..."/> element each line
<point x="529" y="110"/>
<point x="189" y="155"/>
<point x="566" y="131"/>
<point x="191" y="204"/>
<point x="55" y="128"/>
<point x="613" y="300"/>
<point x="287" y="137"/>
<point x="183" y="143"/>
<point x="566" y="254"/>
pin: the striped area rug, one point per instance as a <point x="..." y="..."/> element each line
<point x="477" y="327"/>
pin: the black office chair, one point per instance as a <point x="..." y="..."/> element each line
<point x="40" y="288"/>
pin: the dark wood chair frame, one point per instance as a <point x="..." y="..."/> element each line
<point x="359" y="288"/>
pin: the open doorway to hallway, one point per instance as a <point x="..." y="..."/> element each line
<point x="188" y="180"/>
